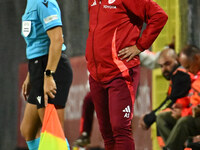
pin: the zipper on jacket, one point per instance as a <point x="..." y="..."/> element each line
<point x="93" y="40"/>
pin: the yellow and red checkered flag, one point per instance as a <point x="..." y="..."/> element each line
<point x="52" y="135"/>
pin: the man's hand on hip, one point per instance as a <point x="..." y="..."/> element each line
<point x="129" y="53"/>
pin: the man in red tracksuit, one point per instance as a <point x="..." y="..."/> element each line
<point x="112" y="50"/>
<point x="148" y="59"/>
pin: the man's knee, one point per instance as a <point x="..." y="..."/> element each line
<point x="121" y="129"/>
<point x="161" y="118"/>
<point x="182" y="122"/>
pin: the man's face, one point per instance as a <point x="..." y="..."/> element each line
<point x="167" y="65"/>
<point x="190" y="65"/>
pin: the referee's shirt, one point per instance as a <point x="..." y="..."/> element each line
<point x="39" y="16"/>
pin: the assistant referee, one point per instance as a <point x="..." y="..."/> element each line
<point x="49" y="72"/>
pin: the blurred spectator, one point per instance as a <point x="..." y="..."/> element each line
<point x="86" y="121"/>
<point x="179" y="87"/>
<point x="149" y="59"/>
<point x="180" y="123"/>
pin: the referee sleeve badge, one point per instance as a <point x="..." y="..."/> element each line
<point x="26" y="28"/>
<point x="50" y="18"/>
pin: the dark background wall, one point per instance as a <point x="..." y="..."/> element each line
<point x="12" y="52"/>
<point x="194" y="22"/>
<point x="75" y="20"/>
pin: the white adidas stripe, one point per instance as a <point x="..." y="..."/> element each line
<point x="127" y="109"/>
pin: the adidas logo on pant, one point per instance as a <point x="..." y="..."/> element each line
<point x="127" y="112"/>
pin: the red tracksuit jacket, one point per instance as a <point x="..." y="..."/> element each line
<point x="114" y="25"/>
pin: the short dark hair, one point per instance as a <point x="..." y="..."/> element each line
<point x="190" y="51"/>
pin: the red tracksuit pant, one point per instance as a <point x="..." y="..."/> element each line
<point x="114" y="102"/>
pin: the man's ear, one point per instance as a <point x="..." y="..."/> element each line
<point x="197" y="58"/>
<point x="177" y="60"/>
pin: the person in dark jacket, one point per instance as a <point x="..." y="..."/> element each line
<point x="183" y="122"/>
<point x="180" y="83"/>
<point x="179" y="86"/>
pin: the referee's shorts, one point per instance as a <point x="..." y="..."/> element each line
<point x="62" y="77"/>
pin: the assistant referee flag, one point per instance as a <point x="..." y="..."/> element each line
<point x="52" y="136"/>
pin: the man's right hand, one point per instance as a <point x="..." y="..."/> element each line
<point x="129" y="53"/>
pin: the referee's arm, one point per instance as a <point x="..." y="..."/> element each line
<point x="55" y="48"/>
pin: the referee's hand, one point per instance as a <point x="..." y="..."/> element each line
<point x="49" y="88"/>
<point x="26" y="87"/>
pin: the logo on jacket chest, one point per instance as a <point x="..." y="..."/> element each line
<point x="94" y="3"/>
<point x="110" y="5"/>
<point x="111" y="1"/>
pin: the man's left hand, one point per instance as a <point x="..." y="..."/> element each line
<point x="176" y="113"/>
<point x="129" y="52"/>
<point x="142" y="123"/>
